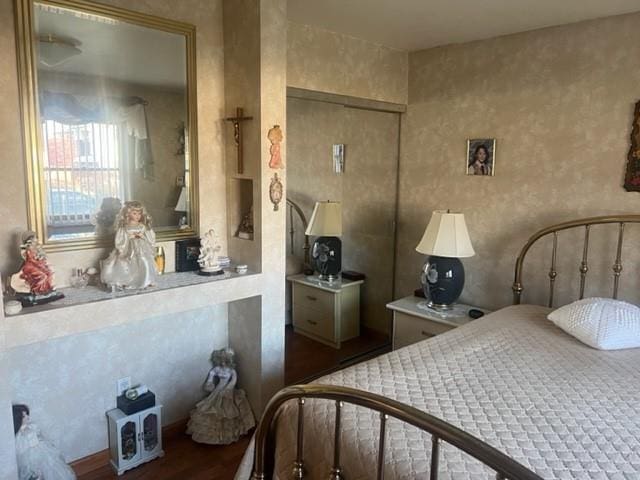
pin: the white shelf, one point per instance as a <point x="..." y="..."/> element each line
<point x="84" y="310"/>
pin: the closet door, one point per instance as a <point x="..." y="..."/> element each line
<point x="369" y="207"/>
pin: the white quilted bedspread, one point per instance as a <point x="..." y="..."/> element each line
<point x="513" y="379"/>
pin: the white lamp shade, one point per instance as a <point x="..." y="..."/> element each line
<point x="446" y="236"/>
<point x="326" y="220"/>
<point x="181" y="206"/>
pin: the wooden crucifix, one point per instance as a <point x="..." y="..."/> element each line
<point x="237" y="134"/>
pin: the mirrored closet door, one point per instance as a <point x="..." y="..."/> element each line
<point x="366" y="187"/>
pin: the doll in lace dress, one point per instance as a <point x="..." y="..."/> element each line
<point x="131" y="264"/>
<point x="37" y="458"/>
<point x="225" y="415"/>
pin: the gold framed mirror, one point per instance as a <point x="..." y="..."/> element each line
<point x="108" y="101"/>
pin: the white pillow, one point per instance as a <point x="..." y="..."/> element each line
<point x="601" y="323"/>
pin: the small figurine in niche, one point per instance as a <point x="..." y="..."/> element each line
<point x="208" y="259"/>
<point x="225" y="415"/>
<point x="275" y="137"/>
<point x="131" y="264"/>
<point x="106" y="217"/>
<point x="37" y="458"/>
<point x="245" y="229"/>
<point x="33" y="284"/>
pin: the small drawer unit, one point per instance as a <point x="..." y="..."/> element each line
<point x="134" y="439"/>
<point x="413" y="321"/>
<point x="328" y="312"/>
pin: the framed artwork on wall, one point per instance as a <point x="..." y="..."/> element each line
<point x="481" y="156"/>
<point x="632" y="176"/>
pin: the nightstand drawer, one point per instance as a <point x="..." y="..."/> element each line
<point x="313" y="298"/>
<point x="410" y="329"/>
<point x="314" y="321"/>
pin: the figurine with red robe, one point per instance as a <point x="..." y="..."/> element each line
<point x="33" y="284"/>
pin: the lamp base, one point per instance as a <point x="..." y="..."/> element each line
<point x="328" y="278"/>
<point x="442" y="281"/>
<point x="327" y="257"/>
<point x="437" y="306"/>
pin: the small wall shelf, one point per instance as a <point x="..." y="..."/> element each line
<point x="240" y="204"/>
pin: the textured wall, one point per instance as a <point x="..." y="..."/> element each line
<point x="8" y="469"/>
<point x="331" y="62"/>
<point x="560" y="102"/>
<point x="168" y="353"/>
<point x="366" y="189"/>
<point x="70" y="382"/>
<point x="207" y="17"/>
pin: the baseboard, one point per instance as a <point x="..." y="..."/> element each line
<point x="88" y="464"/>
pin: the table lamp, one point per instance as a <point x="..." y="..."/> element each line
<point x="181" y="206"/>
<point x="445" y="240"/>
<point x="326" y="224"/>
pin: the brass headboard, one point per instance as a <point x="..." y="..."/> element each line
<point x="583" y="268"/>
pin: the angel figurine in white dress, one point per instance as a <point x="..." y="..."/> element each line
<point x="131" y="264"/>
<point x="37" y="458"/>
<point x="225" y="415"/>
<point x="209" y="249"/>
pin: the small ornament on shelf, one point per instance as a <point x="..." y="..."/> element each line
<point x="245" y="229"/>
<point x="224" y="415"/>
<point x="33" y="283"/>
<point x="209" y="260"/>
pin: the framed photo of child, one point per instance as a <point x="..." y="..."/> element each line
<point x="481" y="156"/>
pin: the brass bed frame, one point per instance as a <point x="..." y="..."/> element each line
<point x="441" y="431"/>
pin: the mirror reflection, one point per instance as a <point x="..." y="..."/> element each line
<point x="113" y="117"/>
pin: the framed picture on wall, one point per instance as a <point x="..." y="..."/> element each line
<point x="481" y="156"/>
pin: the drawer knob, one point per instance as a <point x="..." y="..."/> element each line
<point x="313" y="299"/>
<point x="312" y="322"/>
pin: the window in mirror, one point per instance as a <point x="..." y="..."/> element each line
<point x="113" y="117"/>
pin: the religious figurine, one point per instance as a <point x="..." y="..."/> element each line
<point x="245" y="229"/>
<point x="37" y="458"/>
<point x="225" y="415"/>
<point x="106" y="217"/>
<point x="208" y="259"/>
<point x="33" y="284"/>
<point x="275" y="137"/>
<point x="131" y="264"/>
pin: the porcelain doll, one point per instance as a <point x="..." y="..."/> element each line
<point x="225" y="415"/>
<point x="33" y="284"/>
<point x="131" y="264"/>
<point x="37" y="458"/>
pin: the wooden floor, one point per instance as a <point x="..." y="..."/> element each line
<point x="306" y="359"/>
<point x="184" y="459"/>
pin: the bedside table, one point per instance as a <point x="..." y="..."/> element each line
<point x="413" y="321"/>
<point x="328" y="312"/>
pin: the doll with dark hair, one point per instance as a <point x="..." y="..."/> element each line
<point x="37" y="458"/>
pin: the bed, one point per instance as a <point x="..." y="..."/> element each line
<point x="506" y="396"/>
